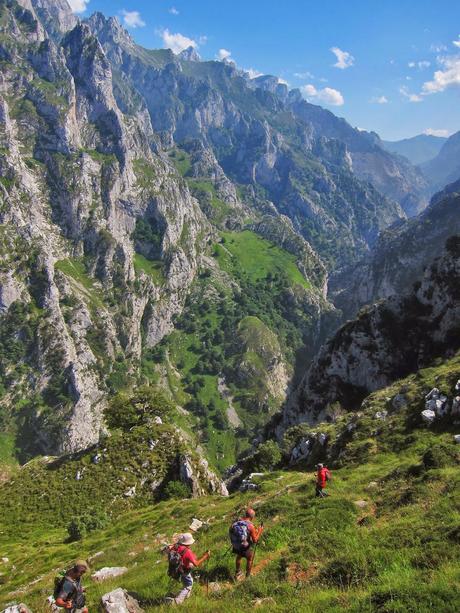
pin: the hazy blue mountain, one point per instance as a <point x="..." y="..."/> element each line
<point x="445" y="167"/>
<point x="418" y="149"/>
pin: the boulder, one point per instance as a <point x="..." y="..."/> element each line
<point x="196" y="524"/>
<point x="381" y="415"/>
<point x="361" y="504"/>
<point x="17" y="608"/>
<point x="109" y="572"/>
<point x="399" y="402"/>
<point x="457" y="438"/>
<point x="157" y="420"/>
<point x="130" y="492"/>
<point x="119" y="601"/>
<point x="428" y="416"/>
<point x="433" y="394"/>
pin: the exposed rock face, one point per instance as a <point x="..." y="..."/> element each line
<point x="119" y="601"/>
<point x="200" y="478"/>
<point x="445" y="167"/>
<point x="399" y="256"/>
<point x="386" y="342"/>
<point x="91" y="174"/>
<point x="248" y="126"/>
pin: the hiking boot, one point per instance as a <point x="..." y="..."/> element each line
<point x="238" y="576"/>
<point x="170" y="601"/>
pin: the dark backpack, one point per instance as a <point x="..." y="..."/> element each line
<point x="175" y="564"/>
<point x="239" y="534"/>
<point x="58" y="583"/>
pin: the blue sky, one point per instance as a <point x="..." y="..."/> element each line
<point x="386" y="65"/>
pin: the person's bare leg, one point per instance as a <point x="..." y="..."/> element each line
<point x="238" y="566"/>
<point x="249" y="561"/>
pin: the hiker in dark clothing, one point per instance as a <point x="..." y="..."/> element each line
<point x="244" y="536"/>
<point x="322" y="476"/>
<point x="181" y="562"/>
<point x="70" y="593"/>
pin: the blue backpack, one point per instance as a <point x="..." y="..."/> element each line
<point x="239" y="534"/>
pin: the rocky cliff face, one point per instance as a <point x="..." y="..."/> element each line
<point x="399" y="256"/>
<point x="385" y="342"/>
<point x="262" y="137"/>
<point x="445" y="167"/>
<point x="77" y="175"/>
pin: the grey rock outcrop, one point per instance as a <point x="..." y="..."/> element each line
<point x="386" y="342"/>
<point x="119" y="601"/>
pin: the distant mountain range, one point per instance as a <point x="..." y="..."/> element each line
<point x="445" y="167"/>
<point x="418" y="149"/>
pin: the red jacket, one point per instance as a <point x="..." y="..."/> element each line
<point x="323" y="475"/>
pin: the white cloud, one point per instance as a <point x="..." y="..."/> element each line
<point x="303" y="75"/>
<point x="282" y="81"/>
<point x="456" y="42"/>
<point x="223" y="54"/>
<point x="344" y="59"/>
<point x="78" y="6"/>
<point x="328" y="95"/>
<point x="420" y="65"/>
<point x="434" y="132"/>
<point x="404" y="91"/>
<point x="253" y="74"/>
<point x="132" y="19"/>
<point x="380" y="100"/>
<point x="437" y="48"/>
<point x="173" y="11"/>
<point x="177" y="42"/>
<point x="447" y="77"/>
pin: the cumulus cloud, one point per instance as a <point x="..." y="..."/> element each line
<point x="178" y="42"/>
<point x="456" y="42"/>
<point x="223" y="54"/>
<point x="253" y="74"/>
<point x="344" y="59"/>
<point x="78" y="6"/>
<point x="447" y="77"/>
<point x="420" y="65"/>
<point x="379" y="100"/>
<point x="404" y="91"/>
<point x="173" y="11"/>
<point x="435" y="132"/>
<point x="132" y="19"/>
<point x="327" y="95"/>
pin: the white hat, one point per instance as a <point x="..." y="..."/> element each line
<point x="186" y="539"/>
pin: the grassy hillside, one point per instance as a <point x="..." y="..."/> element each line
<point x="252" y="295"/>
<point x="386" y="540"/>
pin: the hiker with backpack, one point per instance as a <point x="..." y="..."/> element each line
<point x="322" y="477"/>
<point x="181" y="561"/>
<point x="68" y="590"/>
<point x="244" y="537"/>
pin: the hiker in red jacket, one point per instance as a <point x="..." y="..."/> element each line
<point x="181" y="562"/>
<point x="322" y="476"/>
<point x="244" y="536"/>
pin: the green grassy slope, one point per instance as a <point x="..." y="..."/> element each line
<point x="396" y="552"/>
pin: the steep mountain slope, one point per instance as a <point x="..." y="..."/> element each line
<point x="390" y="174"/>
<point x="97" y="272"/>
<point x="399" y="256"/>
<point x="385" y="540"/>
<point x="257" y="139"/>
<point x="385" y="342"/>
<point x="418" y="149"/>
<point x="445" y="167"/>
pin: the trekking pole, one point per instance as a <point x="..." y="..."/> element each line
<point x="255" y="548"/>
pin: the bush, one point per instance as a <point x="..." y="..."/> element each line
<point x="267" y="456"/>
<point x="176" y="489"/>
<point x="439" y="456"/>
<point x="83" y="524"/>
<point x="126" y="411"/>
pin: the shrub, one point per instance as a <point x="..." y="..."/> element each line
<point x="267" y="456"/>
<point x="176" y="489"/>
<point x="82" y="525"/>
<point x="126" y="411"/>
<point x="439" y="456"/>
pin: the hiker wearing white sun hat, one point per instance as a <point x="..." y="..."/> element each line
<point x="181" y="561"/>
